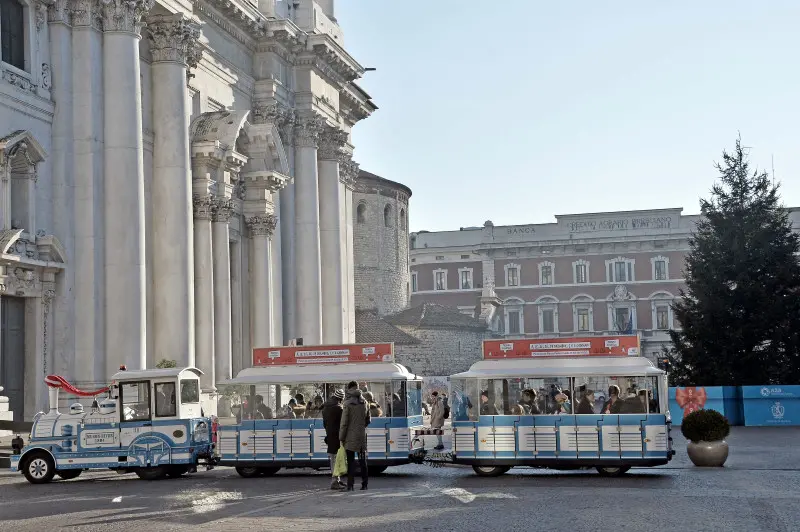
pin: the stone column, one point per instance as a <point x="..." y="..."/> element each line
<point x="61" y="159"/>
<point x="333" y="237"/>
<point x="223" y="210"/>
<point x="261" y="228"/>
<point x="308" y="281"/>
<point x="236" y="307"/>
<point x="126" y="334"/>
<point x="175" y="48"/>
<point x="204" y="291"/>
<point x="349" y="173"/>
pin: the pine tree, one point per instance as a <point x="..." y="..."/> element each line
<point x="740" y="312"/>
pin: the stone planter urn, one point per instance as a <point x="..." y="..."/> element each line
<point x="706" y="431"/>
<point x="708" y="453"/>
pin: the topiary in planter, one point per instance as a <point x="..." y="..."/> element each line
<point x="706" y="431"/>
<point x="705" y="425"/>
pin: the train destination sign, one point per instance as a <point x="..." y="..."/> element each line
<point x="627" y="345"/>
<point x="323" y="354"/>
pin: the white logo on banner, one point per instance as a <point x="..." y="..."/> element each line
<point x="506" y="347"/>
<point x="778" y="410"/>
<point x="368" y="351"/>
<point x="274" y="354"/>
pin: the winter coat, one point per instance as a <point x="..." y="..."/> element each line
<point x="437" y="413"/>
<point x="355" y="419"/>
<point x="585" y="407"/>
<point x="331" y="419"/>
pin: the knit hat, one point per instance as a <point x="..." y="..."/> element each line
<point x="339" y="394"/>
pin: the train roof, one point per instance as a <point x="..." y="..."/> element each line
<point x="158" y="373"/>
<point x="380" y="371"/>
<point x="586" y="366"/>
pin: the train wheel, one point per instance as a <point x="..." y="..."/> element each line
<point x="69" y="474"/>
<point x="376" y="470"/>
<point x="151" y="473"/>
<point x="606" y="471"/>
<point x="248" y="472"/>
<point x="177" y="471"/>
<point x="39" y="468"/>
<point x="267" y="471"/>
<point x="490" y="471"/>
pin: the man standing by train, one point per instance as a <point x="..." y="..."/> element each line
<point x="353" y="434"/>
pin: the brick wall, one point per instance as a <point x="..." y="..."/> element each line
<point x="441" y="351"/>
<point x="380" y="250"/>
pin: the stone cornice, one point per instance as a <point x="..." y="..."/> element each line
<point x="348" y="172"/>
<point x="307" y="130"/>
<point x="326" y="49"/>
<point x="332" y="140"/>
<point x="125" y="15"/>
<point x="262" y="224"/>
<point x="242" y="21"/>
<point x="283" y="117"/>
<point x="174" y="39"/>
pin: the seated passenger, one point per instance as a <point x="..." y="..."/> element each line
<point x="461" y="406"/>
<point x="298" y="409"/>
<point x="563" y="403"/>
<point x="374" y="408"/>
<point x="614" y="403"/>
<point x="487" y="408"/>
<point x="398" y="406"/>
<point x="314" y="409"/>
<point x="517" y="410"/>
<point x="289" y="411"/>
<point x="262" y="410"/>
<point x="529" y="403"/>
<point x="586" y="404"/>
<point x="635" y="404"/>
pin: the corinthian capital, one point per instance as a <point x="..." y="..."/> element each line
<point x="125" y="15"/>
<point x="203" y="207"/>
<point x="348" y="171"/>
<point x="331" y="142"/>
<point x="283" y="117"/>
<point x="222" y="209"/>
<point x="173" y="38"/>
<point x="307" y="130"/>
<point x="82" y="13"/>
<point x="54" y="11"/>
<point x="262" y="224"/>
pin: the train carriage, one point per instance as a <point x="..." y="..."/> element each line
<point x="561" y="403"/>
<point x="260" y="431"/>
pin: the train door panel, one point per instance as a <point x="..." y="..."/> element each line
<point x="526" y="437"/>
<point x="378" y="437"/>
<point x="656" y="436"/>
<point x="609" y="436"/>
<point x="464" y="439"/>
<point x="631" y="435"/>
<point x="505" y="444"/>
<point x="264" y="431"/>
<point x="567" y="437"/>
<point x="300" y="435"/>
<point x="545" y="435"/>
<point x="587" y="435"/>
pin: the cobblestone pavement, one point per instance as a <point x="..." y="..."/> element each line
<point x="759" y="489"/>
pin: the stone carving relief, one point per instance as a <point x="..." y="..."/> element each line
<point x="222" y="209"/>
<point x="262" y="224"/>
<point x="55" y="10"/>
<point x="332" y="140"/>
<point x="47" y="300"/>
<point x="203" y="207"/>
<point x="283" y="117"/>
<point x="173" y="38"/>
<point x="45" y="76"/>
<point x="307" y="131"/>
<point x="19" y="81"/>
<point x="85" y="13"/>
<point x="348" y="171"/>
<point x="20" y="282"/>
<point x="125" y="15"/>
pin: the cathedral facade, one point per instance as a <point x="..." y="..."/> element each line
<point x="177" y="184"/>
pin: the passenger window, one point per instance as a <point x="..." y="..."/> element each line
<point x="190" y="391"/>
<point x="530" y="396"/>
<point x="461" y="406"/>
<point x="399" y="402"/>
<point x="135" y="401"/>
<point x="414" y="396"/>
<point x="555" y="396"/>
<point x="491" y="397"/>
<point x="165" y="399"/>
<point x="654" y="401"/>
<point x="634" y="395"/>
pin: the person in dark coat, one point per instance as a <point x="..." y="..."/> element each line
<point x="586" y="404"/>
<point x="331" y="419"/>
<point x="353" y="434"/>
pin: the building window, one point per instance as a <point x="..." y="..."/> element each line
<point x="413" y="281"/>
<point x="12" y="33"/>
<point x="514" y="319"/>
<point x="662" y="317"/>
<point x="511" y="253"/>
<point x="512" y="274"/>
<point x="622" y="319"/>
<point x="583" y="319"/>
<point x="620" y="270"/>
<point x="465" y="278"/>
<point x="440" y="279"/>
<point x="464" y="256"/>
<point x="402" y="219"/>
<point x="387" y="216"/>
<point x="361" y="213"/>
<point x="439" y="257"/>
<point x="546" y="273"/>
<point x="660" y="268"/>
<point x="580" y="272"/>
<point x="548" y="321"/>
<point x="513" y="322"/>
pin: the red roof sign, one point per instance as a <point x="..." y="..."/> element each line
<point x="323" y="354"/>
<point x="562" y="347"/>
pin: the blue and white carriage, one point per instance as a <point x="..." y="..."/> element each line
<point x="493" y="432"/>
<point x="258" y="435"/>
<point x="150" y="423"/>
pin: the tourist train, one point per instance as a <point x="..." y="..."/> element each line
<point x="563" y="403"/>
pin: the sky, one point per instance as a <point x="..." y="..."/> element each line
<point x="517" y="110"/>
